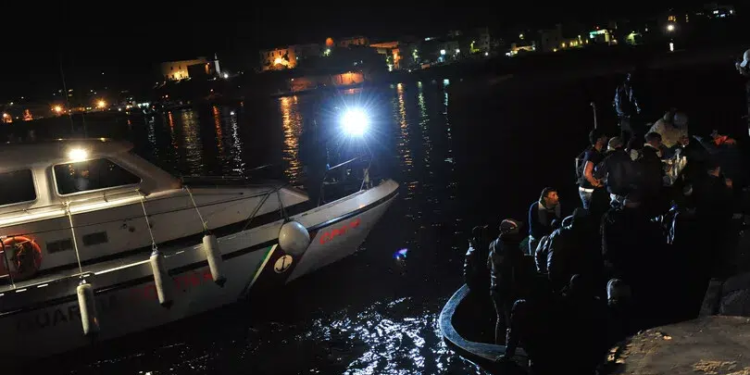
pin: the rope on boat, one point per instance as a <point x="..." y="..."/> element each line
<point x="203" y="222"/>
<point x="75" y="242"/>
<point x="260" y="204"/>
<point x="148" y="224"/>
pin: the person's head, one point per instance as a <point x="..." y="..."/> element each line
<point x="618" y="292"/>
<point x="669" y="115"/>
<point x="615" y="143"/>
<point x="680" y="120"/>
<point x="578" y="218"/>
<point x="634" y="143"/>
<point x="597" y="138"/>
<point x="654" y="139"/>
<point x="479" y="235"/>
<point x="509" y="228"/>
<point x="549" y="197"/>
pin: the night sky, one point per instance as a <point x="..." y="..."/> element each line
<point x="125" y="40"/>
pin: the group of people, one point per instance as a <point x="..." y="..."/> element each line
<point x="653" y="227"/>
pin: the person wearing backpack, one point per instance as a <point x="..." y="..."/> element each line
<point x="589" y="187"/>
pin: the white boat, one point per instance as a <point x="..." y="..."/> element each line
<point x="91" y="212"/>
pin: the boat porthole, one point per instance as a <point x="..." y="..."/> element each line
<point x="282" y="264"/>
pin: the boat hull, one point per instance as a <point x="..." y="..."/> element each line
<point x="46" y="321"/>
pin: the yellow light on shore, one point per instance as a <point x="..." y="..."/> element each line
<point x="101" y="104"/>
<point x="57" y="109"/>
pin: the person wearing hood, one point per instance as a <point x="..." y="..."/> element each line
<point x="573" y="250"/>
<point x="541" y="215"/>
<point x="504" y="263"/>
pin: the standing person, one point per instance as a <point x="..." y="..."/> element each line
<point x="627" y="107"/>
<point x="617" y="171"/>
<point x="653" y="174"/>
<point x="744" y="68"/>
<point x="505" y="263"/>
<point x="476" y="275"/>
<point x="541" y="215"/>
<point x="589" y="188"/>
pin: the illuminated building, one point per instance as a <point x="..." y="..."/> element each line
<point x="352" y="41"/>
<point x="289" y="57"/>
<point x="278" y="59"/>
<point x="186" y="69"/>
<point x="515" y="48"/>
<point x="601" y="36"/>
<point x="555" y="39"/>
<point x="392" y="53"/>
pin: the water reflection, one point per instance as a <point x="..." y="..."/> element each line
<point x="217" y="126"/>
<point x="291" y="122"/>
<point x="192" y="142"/>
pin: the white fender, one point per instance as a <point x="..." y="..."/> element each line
<point x="294" y="238"/>
<point x="213" y="255"/>
<point x="163" y="290"/>
<point x="87" y="308"/>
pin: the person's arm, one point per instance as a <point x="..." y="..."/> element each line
<point x="534" y="225"/>
<point x="540" y="256"/>
<point x="588" y="173"/>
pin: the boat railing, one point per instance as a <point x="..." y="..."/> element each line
<point x="365" y="182"/>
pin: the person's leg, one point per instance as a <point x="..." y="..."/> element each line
<point x="500" y="320"/>
<point x="585" y="195"/>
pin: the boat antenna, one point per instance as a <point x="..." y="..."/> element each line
<point x="65" y="93"/>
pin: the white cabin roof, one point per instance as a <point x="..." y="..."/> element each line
<point x="26" y="155"/>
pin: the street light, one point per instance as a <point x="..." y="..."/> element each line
<point x="670" y="27"/>
<point x="101" y="104"/>
<point x="442" y="52"/>
<point x="57" y="109"/>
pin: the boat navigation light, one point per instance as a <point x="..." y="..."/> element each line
<point x="355" y="122"/>
<point x="78" y="154"/>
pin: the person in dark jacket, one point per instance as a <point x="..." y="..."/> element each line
<point x="504" y="262"/>
<point x="542" y="250"/>
<point x="534" y="325"/>
<point x="713" y="209"/>
<point x="627" y="107"/>
<point x="743" y="67"/>
<point x="476" y="275"/>
<point x="617" y="171"/>
<point x="652" y="170"/>
<point x="541" y="215"/>
<point x="573" y="250"/>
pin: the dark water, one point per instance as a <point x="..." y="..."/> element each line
<point x="464" y="154"/>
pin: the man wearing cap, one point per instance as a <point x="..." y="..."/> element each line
<point x="744" y="68"/>
<point x="504" y="262"/>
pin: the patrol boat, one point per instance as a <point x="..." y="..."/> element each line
<point x="99" y="243"/>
